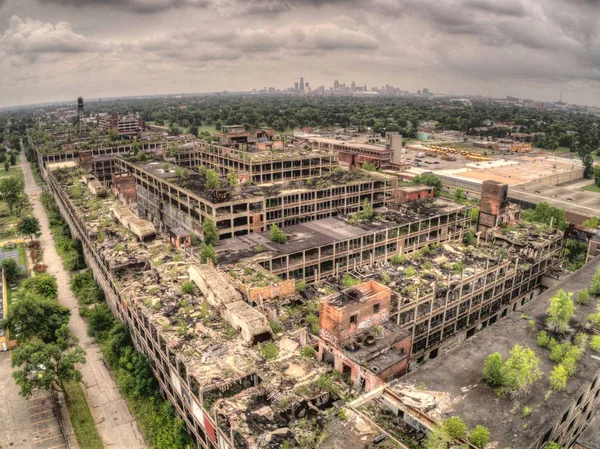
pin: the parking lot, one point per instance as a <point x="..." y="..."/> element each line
<point x="26" y="423"/>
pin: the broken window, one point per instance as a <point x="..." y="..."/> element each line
<point x="376" y="308"/>
<point x="354" y="319"/>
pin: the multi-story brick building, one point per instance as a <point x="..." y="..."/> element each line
<point x="258" y="167"/>
<point x="174" y="202"/>
<point x="327" y="247"/>
<point x="125" y="125"/>
<point x="453" y="385"/>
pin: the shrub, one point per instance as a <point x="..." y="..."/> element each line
<point x="455" y="427"/>
<point x="314" y="323"/>
<point x="561" y="310"/>
<point x="188" y="287"/>
<point x="526" y="412"/>
<point x="492" y="370"/>
<point x="521" y="370"/>
<point x="595" y="343"/>
<point x="269" y="350"/>
<point x="42" y="284"/>
<point x="479" y="436"/>
<point x="275" y="326"/>
<point x="469" y="238"/>
<point x="277" y="235"/>
<point x="300" y="286"/>
<point x="543" y="339"/>
<point x="308" y="352"/>
<point x="349" y="281"/>
<point x="10" y="269"/>
<point x="397" y="259"/>
<point x="558" y="378"/>
<point x="583" y="297"/>
<point x="410" y="272"/>
<point x="101" y="321"/>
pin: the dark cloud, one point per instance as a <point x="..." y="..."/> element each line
<point x="140" y="6"/>
<point x="26" y="38"/>
<point x="513" y="8"/>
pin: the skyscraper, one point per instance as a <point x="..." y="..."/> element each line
<point x="301" y="84"/>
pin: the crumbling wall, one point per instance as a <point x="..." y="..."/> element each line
<point x="244" y="318"/>
<point x="343" y="319"/>
<point x="282" y="289"/>
<point x="215" y="289"/>
<point x="229" y="302"/>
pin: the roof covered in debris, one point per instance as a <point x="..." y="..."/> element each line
<point x="327" y="231"/>
<point x="455" y="386"/>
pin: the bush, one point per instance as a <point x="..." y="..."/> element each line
<point x="583" y="297"/>
<point x="308" y="352"/>
<point x="42" y="284"/>
<point x="275" y="326"/>
<point x="269" y="350"/>
<point x="595" y="343"/>
<point x="349" y="281"/>
<point x="479" y="436"/>
<point x="543" y="339"/>
<point x="100" y="320"/>
<point x="277" y="235"/>
<point x="397" y="259"/>
<point x="455" y="427"/>
<point x="492" y="370"/>
<point x="558" y="378"/>
<point x="300" y="286"/>
<point x="314" y="323"/>
<point x="188" y="287"/>
<point x="410" y="272"/>
<point x="11" y="270"/>
<point x="469" y="238"/>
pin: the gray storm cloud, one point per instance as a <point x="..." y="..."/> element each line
<point x="530" y="48"/>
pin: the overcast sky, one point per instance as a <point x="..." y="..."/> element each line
<point x="60" y="49"/>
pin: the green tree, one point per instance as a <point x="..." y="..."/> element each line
<point x="561" y="310"/>
<point x="35" y="316"/>
<point x="597" y="175"/>
<point x="431" y="180"/>
<point x="48" y="366"/>
<point x="10" y="268"/>
<point x="277" y="235"/>
<point x="11" y="191"/>
<point x="113" y="134"/>
<point x="546" y="214"/>
<point x="479" y="436"/>
<point x="194" y="130"/>
<point x="210" y="231"/>
<point x="13" y="158"/>
<point x="469" y="238"/>
<point x="521" y="370"/>
<point x="212" y="180"/>
<point x="553" y="445"/>
<point x="207" y="252"/>
<point x="232" y="179"/>
<point x="493" y="370"/>
<point x="43" y="284"/>
<point x="29" y="226"/>
<point x="6" y="165"/>
<point x="455" y="427"/>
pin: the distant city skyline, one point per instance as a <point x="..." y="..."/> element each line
<point x="51" y="49"/>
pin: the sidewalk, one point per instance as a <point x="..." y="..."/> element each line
<point x="115" y="424"/>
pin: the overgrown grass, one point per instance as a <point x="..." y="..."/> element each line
<point x="81" y="418"/>
<point x="591" y="188"/>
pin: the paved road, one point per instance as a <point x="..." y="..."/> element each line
<point x="114" y="422"/>
<point x="26" y="424"/>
